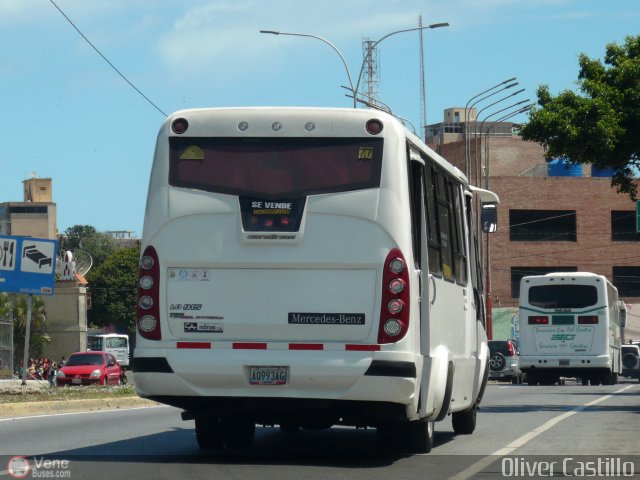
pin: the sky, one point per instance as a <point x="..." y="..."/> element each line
<point x="67" y="114"/>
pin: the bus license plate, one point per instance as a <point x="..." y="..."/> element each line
<point x="268" y="375"/>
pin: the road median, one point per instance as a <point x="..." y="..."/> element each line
<point x="19" y="409"/>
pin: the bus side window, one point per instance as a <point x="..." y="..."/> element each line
<point x="433" y="230"/>
<point x="415" y="189"/>
<point x="447" y="233"/>
<point x="459" y="249"/>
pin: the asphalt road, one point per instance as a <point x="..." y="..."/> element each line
<point x="517" y="424"/>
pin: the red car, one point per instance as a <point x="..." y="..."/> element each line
<point x="87" y="368"/>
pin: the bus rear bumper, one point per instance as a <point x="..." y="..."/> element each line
<point x="202" y="376"/>
<point x="564" y="365"/>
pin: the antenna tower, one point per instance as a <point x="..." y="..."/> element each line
<point x="372" y="68"/>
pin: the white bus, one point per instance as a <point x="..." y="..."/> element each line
<point x="570" y="326"/>
<point x="114" y="343"/>
<point x="309" y="267"/>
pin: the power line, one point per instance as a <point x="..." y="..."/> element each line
<point x="107" y="60"/>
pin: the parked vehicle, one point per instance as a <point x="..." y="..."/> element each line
<point x="503" y="361"/>
<point x="631" y="361"/>
<point x="89" y="368"/>
<point x="114" y="343"/>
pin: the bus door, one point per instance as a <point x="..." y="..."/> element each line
<point x="444" y="339"/>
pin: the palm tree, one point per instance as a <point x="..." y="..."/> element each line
<point x="37" y="336"/>
<point x="5" y="336"/>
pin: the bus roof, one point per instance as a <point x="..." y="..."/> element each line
<point x="575" y="276"/>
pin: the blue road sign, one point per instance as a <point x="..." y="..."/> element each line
<point x="27" y="265"/>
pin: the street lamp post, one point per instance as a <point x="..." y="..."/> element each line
<point x="478" y="162"/>
<point x="507" y="116"/>
<point x="354" y="91"/>
<point x="467" y="109"/>
<point x="487" y="257"/>
<point x="344" y="62"/>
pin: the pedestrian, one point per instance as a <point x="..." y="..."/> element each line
<point x="63" y="361"/>
<point x="51" y="375"/>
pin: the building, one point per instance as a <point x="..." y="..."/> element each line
<point x="552" y="217"/>
<point x="35" y="216"/>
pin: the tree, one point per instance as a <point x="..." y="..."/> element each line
<point x="72" y="237"/>
<point x="85" y="237"/>
<point x="599" y="127"/>
<point x="37" y="336"/>
<point x="113" y="286"/>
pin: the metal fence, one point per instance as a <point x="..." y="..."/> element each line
<point x="6" y="348"/>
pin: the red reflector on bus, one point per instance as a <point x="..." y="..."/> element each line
<point x="306" y="346"/>
<point x="194" y="345"/>
<point x="538" y="320"/>
<point x="588" y="319"/>
<point x="249" y="346"/>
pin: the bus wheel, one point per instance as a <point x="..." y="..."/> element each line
<point x="532" y="380"/>
<point x="419" y="436"/>
<point x="464" y="422"/>
<point x="209" y="433"/>
<point x="238" y="432"/>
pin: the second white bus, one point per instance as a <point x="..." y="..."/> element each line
<point x="305" y="268"/>
<point x="114" y="343"/>
<point x="570" y="326"/>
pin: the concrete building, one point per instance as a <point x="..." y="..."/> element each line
<point x="552" y="217"/>
<point x="35" y="216"/>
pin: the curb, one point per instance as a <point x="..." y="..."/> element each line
<point x="65" y="406"/>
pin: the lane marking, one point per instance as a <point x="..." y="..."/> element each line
<point x="527" y="437"/>
<point x="106" y="410"/>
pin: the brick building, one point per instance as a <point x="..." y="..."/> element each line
<point x="551" y="216"/>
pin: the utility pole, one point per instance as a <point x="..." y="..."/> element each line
<point x="423" y="95"/>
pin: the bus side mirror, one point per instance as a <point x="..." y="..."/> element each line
<point x="623" y="317"/>
<point x="489" y="218"/>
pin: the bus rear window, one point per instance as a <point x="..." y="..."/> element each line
<point x="563" y="296"/>
<point x="275" y="167"/>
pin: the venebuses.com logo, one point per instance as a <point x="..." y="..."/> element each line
<point x="21" y="467"/>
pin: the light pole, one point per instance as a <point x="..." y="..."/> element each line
<point x="344" y="62"/>
<point x="507" y="116"/>
<point x="469" y="106"/>
<point x="375" y="44"/>
<point x="478" y="166"/>
<point x="489" y="293"/>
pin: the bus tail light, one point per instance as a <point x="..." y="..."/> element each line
<point x="588" y="319"/>
<point x="148" y="304"/>
<point x="394" y="309"/>
<point x="539" y="320"/>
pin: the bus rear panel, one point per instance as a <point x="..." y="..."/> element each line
<point x="278" y="280"/>
<point x="569" y="328"/>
